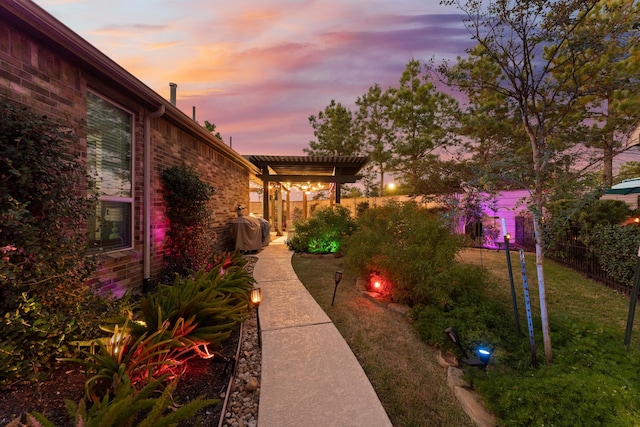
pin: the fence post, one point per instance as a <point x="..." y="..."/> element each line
<point x="632" y="303"/>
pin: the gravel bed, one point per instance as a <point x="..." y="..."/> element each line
<point x="241" y="409"/>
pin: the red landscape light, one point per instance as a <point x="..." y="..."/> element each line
<point x="376" y="282"/>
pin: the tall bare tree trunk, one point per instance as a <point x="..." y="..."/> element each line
<point x="546" y="332"/>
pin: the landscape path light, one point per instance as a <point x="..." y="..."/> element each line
<point x="337" y="277"/>
<point x="256" y="299"/>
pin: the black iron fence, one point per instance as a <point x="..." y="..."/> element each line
<point x="574" y="254"/>
<point x="571" y="253"/>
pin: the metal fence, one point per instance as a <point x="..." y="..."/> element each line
<point x="574" y="254"/>
<point x="571" y="253"/>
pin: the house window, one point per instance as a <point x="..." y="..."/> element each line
<point x="109" y="161"/>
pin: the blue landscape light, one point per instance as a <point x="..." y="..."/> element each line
<point x="484" y="355"/>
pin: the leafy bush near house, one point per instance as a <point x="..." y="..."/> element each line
<point x="44" y="300"/>
<point x="324" y="232"/>
<point x="410" y="248"/>
<point x="616" y="247"/>
<point x="188" y="238"/>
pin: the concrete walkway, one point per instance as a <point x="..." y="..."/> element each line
<point x="309" y="376"/>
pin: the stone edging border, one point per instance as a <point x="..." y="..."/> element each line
<point x="471" y="403"/>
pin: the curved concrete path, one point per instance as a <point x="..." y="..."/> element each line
<point x="310" y="376"/>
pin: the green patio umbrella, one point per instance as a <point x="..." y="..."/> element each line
<point x="628" y="186"/>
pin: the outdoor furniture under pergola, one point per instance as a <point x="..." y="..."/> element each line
<point x="300" y="170"/>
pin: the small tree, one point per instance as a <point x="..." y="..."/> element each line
<point x="530" y="42"/>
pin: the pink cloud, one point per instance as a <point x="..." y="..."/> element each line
<point x="258" y="69"/>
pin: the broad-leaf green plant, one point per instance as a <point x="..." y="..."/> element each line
<point x="141" y="360"/>
<point x="324" y="232"/>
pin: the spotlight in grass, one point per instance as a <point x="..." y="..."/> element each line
<point x="484" y="354"/>
<point x="376" y="282"/>
<point x="337" y="277"/>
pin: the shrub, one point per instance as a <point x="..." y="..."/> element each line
<point x="586" y="214"/>
<point x="186" y="197"/>
<point x="127" y="407"/>
<point x="410" y="248"/>
<point x="616" y="247"/>
<point x="44" y="300"/>
<point x="467" y="309"/>
<point x="208" y="305"/>
<point x="324" y="232"/>
<point x="589" y="383"/>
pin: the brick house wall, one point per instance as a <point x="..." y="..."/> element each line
<point x="40" y="69"/>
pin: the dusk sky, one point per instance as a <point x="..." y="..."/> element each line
<point x="259" y="68"/>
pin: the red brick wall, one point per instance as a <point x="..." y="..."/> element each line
<point x="36" y="76"/>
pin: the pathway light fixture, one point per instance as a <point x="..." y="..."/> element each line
<point x="256" y="298"/>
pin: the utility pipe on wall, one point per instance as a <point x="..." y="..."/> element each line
<point x="146" y="252"/>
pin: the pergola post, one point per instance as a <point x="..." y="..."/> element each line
<point x="278" y="197"/>
<point x="304" y="205"/>
<point x="336" y="170"/>
<point x="265" y="199"/>
<point x="288" y="210"/>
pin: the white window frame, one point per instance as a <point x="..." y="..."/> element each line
<point x="117" y="199"/>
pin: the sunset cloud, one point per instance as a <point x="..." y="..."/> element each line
<point x="259" y="69"/>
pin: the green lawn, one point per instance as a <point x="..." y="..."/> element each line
<point x="568" y="292"/>
<point x="404" y="370"/>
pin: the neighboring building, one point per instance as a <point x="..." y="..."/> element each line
<point x="128" y="134"/>
<point x="628" y="191"/>
<point x="510" y="206"/>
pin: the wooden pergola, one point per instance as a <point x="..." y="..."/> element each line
<point x="304" y="169"/>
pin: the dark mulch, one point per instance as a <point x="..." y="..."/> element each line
<point x="203" y="378"/>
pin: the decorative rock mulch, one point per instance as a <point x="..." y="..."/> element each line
<point x="244" y="396"/>
<point x="241" y="409"/>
